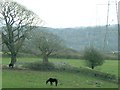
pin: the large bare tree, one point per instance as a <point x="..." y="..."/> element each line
<point x="44" y="41"/>
<point x="16" y="20"/>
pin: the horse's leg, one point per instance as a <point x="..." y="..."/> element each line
<point x="50" y="82"/>
<point x="56" y="82"/>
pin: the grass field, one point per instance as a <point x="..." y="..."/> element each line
<point x="36" y="79"/>
<point x="110" y="66"/>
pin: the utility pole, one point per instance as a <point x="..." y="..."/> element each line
<point x="118" y="18"/>
<point x="106" y="25"/>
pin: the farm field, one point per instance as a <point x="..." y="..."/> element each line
<point x="110" y="66"/>
<point x="36" y="79"/>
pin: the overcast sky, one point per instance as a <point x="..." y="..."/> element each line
<point x="72" y="13"/>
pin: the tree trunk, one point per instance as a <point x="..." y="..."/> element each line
<point x="45" y="58"/>
<point x="13" y="58"/>
<point x="92" y="67"/>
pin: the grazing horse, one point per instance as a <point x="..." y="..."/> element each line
<point x="51" y="80"/>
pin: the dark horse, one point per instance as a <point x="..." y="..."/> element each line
<point x="11" y="65"/>
<point x="51" y="80"/>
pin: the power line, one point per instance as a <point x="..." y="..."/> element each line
<point x="107" y="23"/>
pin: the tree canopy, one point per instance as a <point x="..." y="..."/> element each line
<point x="44" y="41"/>
<point x="15" y="20"/>
<point x="93" y="57"/>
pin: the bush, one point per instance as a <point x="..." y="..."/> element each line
<point x="62" y="66"/>
<point x="93" y="57"/>
<point x="40" y="66"/>
<point x="56" y="66"/>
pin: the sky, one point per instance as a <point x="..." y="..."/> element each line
<point x="72" y="13"/>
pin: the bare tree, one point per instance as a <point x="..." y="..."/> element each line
<point x="16" y="20"/>
<point x="44" y="41"/>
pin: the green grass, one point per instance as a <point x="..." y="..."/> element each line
<point x="36" y="79"/>
<point x="0" y="79"/>
<point x="6" y="60"/>
<point x="110" y="66"/>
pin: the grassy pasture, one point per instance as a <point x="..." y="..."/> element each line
<point x="36" y="79"/>
<point x="110" y="66"/>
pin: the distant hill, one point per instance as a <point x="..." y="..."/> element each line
<point x="80" y="37"/>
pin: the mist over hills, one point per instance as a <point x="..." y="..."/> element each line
<point x="80" y="37"/>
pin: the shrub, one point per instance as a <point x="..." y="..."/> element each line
<point x="62" y="66"/>
<point x="59" y="66"/>
<point x="40" y="66"/>
<point x="93" y="57"/>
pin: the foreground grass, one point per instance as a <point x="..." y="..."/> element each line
<point x="110" y="66"/>
<point x="36" y="79"/>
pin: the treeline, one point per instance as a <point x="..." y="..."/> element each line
<point x="68" y="54"/>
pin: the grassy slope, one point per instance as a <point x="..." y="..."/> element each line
<point x="36" y="79"/>
<point x="110" y="66"/>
